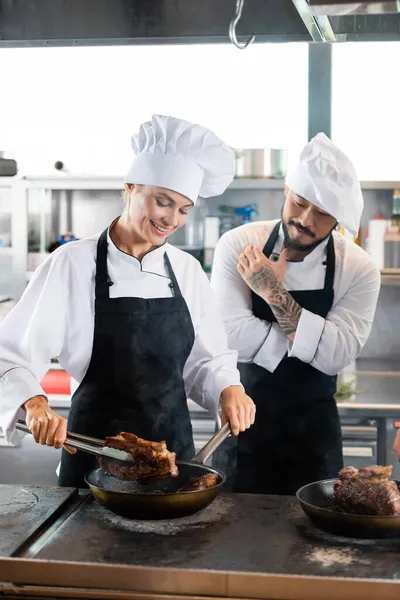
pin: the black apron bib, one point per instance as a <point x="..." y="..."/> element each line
<point x="296" y="437"/>
<point x="134" y="381"/>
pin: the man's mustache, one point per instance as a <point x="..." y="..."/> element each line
<point x="301" y="228"/>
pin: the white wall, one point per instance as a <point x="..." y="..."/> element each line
<point x="366" y="107"/>
<point x="81" y="105"/>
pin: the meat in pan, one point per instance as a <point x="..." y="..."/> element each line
<point x="367" y="491"/>
<point x="152" y="459"/>
<point x="201" y="483"/>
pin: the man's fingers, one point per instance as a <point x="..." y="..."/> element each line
<point x="241" y="269"/>
<point x="250" y="255"/>
<point x="283" y="256"/>
<point x="244" y="260"/>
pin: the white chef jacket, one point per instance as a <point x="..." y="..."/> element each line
<point x="55" y="319"/>
<point x="328" y="344"/>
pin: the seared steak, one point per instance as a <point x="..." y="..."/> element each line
<point x="152" y="459"/>
<point x="201" y="483"/>
<point x="367" y="491"/>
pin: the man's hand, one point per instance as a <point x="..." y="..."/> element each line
<point x="47" y="427"/>
<point x="261" y="274"/>
<point x="397" y="443"/>
<point x="237" y="408"/>
<point x="265" y="278"/>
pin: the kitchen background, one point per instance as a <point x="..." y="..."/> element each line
<point x="77" y="107"/>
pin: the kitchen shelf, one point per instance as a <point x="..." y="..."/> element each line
<point x="390" y="277"/>
<point x="92" y="182"/>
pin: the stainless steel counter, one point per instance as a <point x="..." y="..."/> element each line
<point x="241" y="546"/>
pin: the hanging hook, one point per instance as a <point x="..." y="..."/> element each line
<point x="232" y="27"/>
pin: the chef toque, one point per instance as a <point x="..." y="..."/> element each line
<point x="326" y="177"/>
<point x="181" y="156"/>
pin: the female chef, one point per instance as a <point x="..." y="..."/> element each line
<point x="129" y="316"/>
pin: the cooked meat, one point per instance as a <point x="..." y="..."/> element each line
<point x="152" y="459"/>
<point x="367" y="491"/>
<point x="202" y="483"/>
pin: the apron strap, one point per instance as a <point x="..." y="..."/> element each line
<point x="330" y="264"/>
<point x="174" y="285"/>
<point x="102" y="279"/>
<point x="270" y="245"/>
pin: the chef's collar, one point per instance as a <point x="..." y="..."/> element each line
<point x="315" y="255"/>
<point x="152" y="261"/>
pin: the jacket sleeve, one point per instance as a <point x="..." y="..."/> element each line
<point x="30" y="336"/>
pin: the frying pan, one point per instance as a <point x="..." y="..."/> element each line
<point x="314" y="498"/>
<point x="160" y="499"/>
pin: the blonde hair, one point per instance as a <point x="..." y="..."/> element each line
<point x="125" y="195"/>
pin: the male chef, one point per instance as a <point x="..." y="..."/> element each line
<point x="298" y="300"/>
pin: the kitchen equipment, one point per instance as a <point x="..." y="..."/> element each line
<point x="160" y="499"/>
<point x="194" y="226"/>
<point x="88" y="444"/>
<point x="8" y="166"/>
<point x="314" y="498"/>
<point x="376" y="233"/>
<point x="232" y="217"/>
<point x="392" y="235"/>
<point x="255" y="163"/>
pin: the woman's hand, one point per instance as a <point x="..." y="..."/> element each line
<point x="237" y="408"/>
<point x="47" y="427"/>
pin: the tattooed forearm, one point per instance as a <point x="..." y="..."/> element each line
<point x="286" y="311"/>
<point x="262" y="280"/>
<point x="285" y="308"/>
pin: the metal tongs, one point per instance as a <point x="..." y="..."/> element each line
<point x="88" y="444"/>
<point x="97" y="447"/>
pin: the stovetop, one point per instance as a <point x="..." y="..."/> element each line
<point x="237" y="532"/>
<point x="25" y="510"/>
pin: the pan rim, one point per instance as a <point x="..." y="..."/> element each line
<point x="344" y="515"/>
<point x="178" y="462"/>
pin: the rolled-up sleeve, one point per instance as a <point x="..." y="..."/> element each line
<point x="211" y="366"/>
<point x="331" y="344"/>
<point x="30" y="336"/>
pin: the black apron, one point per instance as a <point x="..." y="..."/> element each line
<point x="134" y="380"/>
<point x="296" y="438"/>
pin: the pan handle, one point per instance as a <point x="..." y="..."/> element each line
<point x="204" y="454"/>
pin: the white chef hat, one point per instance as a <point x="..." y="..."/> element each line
<point x="180" y="156"/>
<point x="327" y="178"/>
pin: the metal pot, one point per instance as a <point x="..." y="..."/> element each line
<point x="261" y="163"/>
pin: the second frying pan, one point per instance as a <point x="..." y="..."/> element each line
<point x="314" y="498"/>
